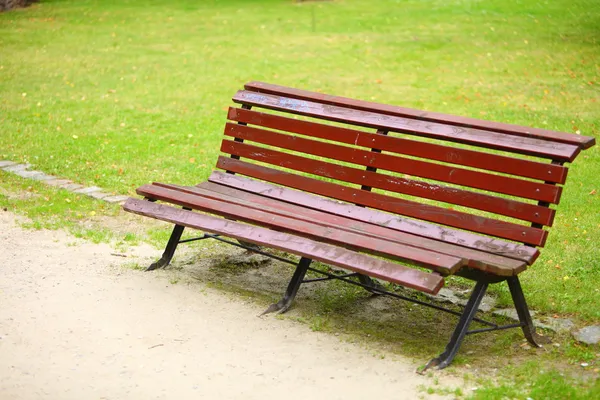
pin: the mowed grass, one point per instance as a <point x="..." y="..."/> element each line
<point x="117" y="93"/>
<point x="120" y="93"/>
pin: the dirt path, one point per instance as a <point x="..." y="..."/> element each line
<point x="74" y="324"/>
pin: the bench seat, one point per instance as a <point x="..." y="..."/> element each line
<point x="317" y="250"/>
<point x="333" y="227"/>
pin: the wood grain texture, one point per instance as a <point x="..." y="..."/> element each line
<point x="418" y="189"/>
<point x="476" y="137"/>
<point x="430" y="151"/>
<point x="583" y="142"/>
<point x="414" y="227"/>
<point x="444" y="216"/>
<point x="443" y="173"/>
<point x="313" y="230"/>
<point x="476" y="259"/>
<point x="301" y="246"/>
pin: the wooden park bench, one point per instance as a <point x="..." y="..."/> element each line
<point x="400" y="195"/>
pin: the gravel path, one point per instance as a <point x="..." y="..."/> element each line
<point x="75" y="324"/>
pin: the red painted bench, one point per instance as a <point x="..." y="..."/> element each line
<point x="340" y="181"/>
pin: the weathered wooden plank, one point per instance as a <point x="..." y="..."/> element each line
<point x="327" y="253"/>
<point x="376" y="180"/>
<point x="471" y="136"/>
<point x="476" y="259"/>
<point x="453" y="218"/>
<point x="439" y="262"/>
<point x="492" y="162"/>
<point x="487" y="244"/>
<point x="449" y="174"/>
<point x="583" y="142"/>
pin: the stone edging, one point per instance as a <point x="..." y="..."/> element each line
<point x="23" y="171"/>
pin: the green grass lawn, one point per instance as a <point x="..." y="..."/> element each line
<point x="120" y="93"/>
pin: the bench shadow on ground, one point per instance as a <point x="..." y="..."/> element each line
<point x="380" y="323"/>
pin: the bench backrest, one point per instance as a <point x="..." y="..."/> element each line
<point x="484" y="177"/>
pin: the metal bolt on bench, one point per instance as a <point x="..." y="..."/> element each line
<point x="339" y="181"/>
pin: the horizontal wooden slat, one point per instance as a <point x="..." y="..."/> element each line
<point x="583" y="142"/>
<point x="412" y="209"/>
<point x="378" y="180"/>
<point x="381" y="181"/>
<point x="492" y="162"/>
<point x="483" y="261"/>
<point x="329" y="254"/>
<point x="475" y="137"/>
<point x="458" y="176"/>
<point x="439" y="262"/>
<point x="421" y="228"/>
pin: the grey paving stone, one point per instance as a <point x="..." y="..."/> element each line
<point x="6" y="163"/>
<point x="28" y="174"/>
<point x="446" y="295"/>
<point x="588" y="335"/>
<point x="87" y="190"/>
<point x="17" y="167"/>
<point x="511" y="313"/>
<point x="552" y="324"/>
<point x="555" y="324"/>
<point x="98" y="195"/>
<point x="43" y="177"/>
<point x="71" y="186"/>
<point x="57" y="182"/>
<point x="116" y="199"/>
<point x="92" y="191"/>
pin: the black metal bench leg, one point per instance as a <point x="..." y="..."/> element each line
<point x="444" y="359"/>
<point x="523" y="311"/>
<point x="370" y="285"/>
<point x="282" y="305"/>
<point x="169" y="250"/>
